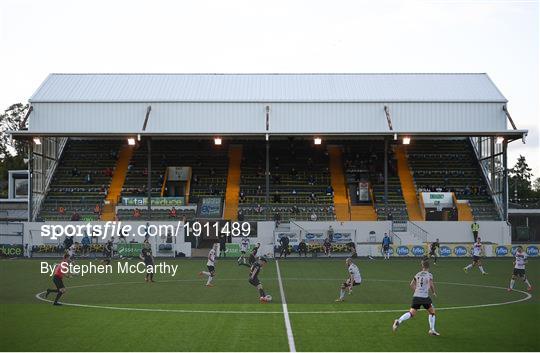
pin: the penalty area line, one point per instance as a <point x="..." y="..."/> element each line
<point x="290" y="336"/>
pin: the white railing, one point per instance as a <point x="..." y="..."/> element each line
<point x="418" y="232"/>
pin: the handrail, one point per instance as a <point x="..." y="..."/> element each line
<point x="164" y="181"/>
<point x="419" y="232"/>
<point x="394" y="235"/>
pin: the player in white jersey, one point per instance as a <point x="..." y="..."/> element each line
<point x="72" y="250"/>
<point x="354" y="279"/>
<point x="476" y="257"/>
<point x="519" y="269"/>
<point x="210" y="265"/>
<point x="244" y="246"/>
<point x="422" y="283"/>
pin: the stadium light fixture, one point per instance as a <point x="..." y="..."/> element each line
<point x="406" y="140"/>
<point x="138" y="137"/>
<point x="317" y="140"/>
<point x="217" y="141"/>
<point x="37" y="140"/>
<point x="131" y="141"/>
<point x="499" y="140"/>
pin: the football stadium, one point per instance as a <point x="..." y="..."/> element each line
<point x="267" y="212"/>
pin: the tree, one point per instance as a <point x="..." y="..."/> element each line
<point x="12" y="120"/>
<point x="520" y="179"/>
<point x="536" y="186"/>
<point x="12" y="152"/>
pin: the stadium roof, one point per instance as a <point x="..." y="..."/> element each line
<point x="277" y="104"/>
<point x="473" y="87"/>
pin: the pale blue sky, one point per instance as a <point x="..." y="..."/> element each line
<point x="500" y="37"/>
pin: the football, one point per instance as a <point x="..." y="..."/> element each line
<point x="268" y="298"/>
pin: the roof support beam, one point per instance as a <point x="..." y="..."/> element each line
<point x="388" y="117"/>
<point x="509" y="117"/>
<point x="148" y="110"/>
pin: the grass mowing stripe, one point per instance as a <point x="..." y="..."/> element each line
<point x="290" y="337"/>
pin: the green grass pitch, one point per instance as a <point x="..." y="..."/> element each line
<point x="123" y="313"/>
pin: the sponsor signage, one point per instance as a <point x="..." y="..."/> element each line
<point x="402" y="250"/>
<point x="532" y="250"/>
<point x="294" y="238"/>
<point x="390" y="250"/>
<point x="418" y="250"/>
<point x="210" y="207"/>
<point x="434" y="199"/>
<point x="502" y="250"/>
<point x="460" y="250"/>
<point x="156" y="201"/>
<point x="445" y="251"/>
<point x="11" y="250"/>
<point x="233" y="249"/>
<point x="129" y="249"/>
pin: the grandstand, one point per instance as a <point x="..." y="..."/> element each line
<point x="319" y="149"/>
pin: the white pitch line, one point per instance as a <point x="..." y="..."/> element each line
<point x="290" y="337"/>
<point x="527" y="296"/>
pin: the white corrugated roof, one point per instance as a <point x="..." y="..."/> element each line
<point x="268" y="88"/>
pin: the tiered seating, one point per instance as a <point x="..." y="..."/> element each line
<point x="157" y="214"/>
<point x="71" y="195"/>
<point x="208" y="162"/>
<point x="364" y="160"/>
<point x="450" y="165"/>
<point x="298" y="183"/>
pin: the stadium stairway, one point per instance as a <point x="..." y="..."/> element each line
<point x="407" y="185"/>
<point x="233" y="182"/>
<point x="117" y="182"/>
<point x="464" y="210"/>
<point x="338" y="181"/>
<point x="363" y="213"/>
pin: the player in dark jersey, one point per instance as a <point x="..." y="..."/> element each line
<point x="58" y="275"/>
<point x="327" y="245"/>
<point x="107" y="252"/>
<point x="146" y="256"/>
<point x="433" y="250"/>
<point x="253" y="256"/>
<point x="284" y="248"/>
<point x="254" y="278"/>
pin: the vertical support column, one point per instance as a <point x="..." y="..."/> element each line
<point x="149" y="177"/>
<point x="30" y="179"/>
<point x="386" y="174"/>
<point x="505" y="181"/>
<point x="267" y="174"/>
<point x="492" y="162"/>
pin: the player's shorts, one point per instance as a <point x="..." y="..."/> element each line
<point x="386" y="247"/>
<point x="476" y="258"/>
<point x="346" y="284"/>
<point x="254" y="281"/>
<point x="432" y="253"/>
<point x="418" y="302"/>
<point x="519" y="272"/>
<point x="243" y="252"/>
<point x="210" y="268"/>
<point x="58" y="282"/>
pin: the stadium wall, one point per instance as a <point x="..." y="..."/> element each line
<point x="453" y="234"/>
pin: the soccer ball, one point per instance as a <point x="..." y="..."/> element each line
<point x="268" y="298"/>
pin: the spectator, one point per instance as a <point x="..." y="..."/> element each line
<point x="284" y="248"/>
<point x="88" y="179"/>
<point x="242" y="196"/>
<point x="313" y="197"/>
<point x="62" y="210"/>
<point x="240" y="215"/>
<point x="311" y="179"/>
<point x="313" y="216"/>
<point x="85" y="242"/>
<point x="277" y="198"/>
<point x="329" y="190"/>
<point x="172" y="212"/>
<point x="75" y="217"/>
<point x="137" y="213"/>
<point x="330" y="234"/>
<point x="75" y="172"/>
